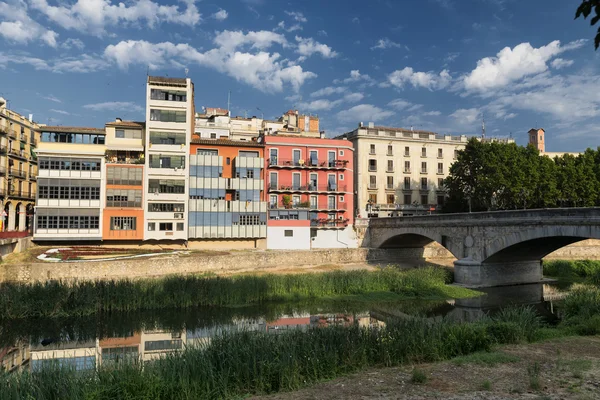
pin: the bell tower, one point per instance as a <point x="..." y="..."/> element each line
<point x="536" y="138"/>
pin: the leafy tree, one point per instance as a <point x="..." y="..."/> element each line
<point x="585" y="8"/>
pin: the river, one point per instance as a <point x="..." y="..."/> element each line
<point x="88" y="342"/>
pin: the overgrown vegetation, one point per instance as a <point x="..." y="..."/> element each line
<point x="585" y="269"/>
<point x="56" y="299"/>
<point x="489" y="359"/>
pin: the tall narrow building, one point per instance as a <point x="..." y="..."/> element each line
<point x="169" y="126"/>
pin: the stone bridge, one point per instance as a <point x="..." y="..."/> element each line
<point x="492" y="248"/>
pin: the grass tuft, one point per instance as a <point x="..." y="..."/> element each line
<point x="418" y="376"/>
<point x="490" y="359"/>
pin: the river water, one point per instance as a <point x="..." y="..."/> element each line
<point x="88" y="342"/>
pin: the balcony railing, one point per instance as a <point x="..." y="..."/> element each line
<point x="18" y="173"/>
<point x="329" y="223"/>
<point x="309" y="163"/>
<point x="3" y="150"/>
<point x="390" y="186"/>
<point x="23" y="137"/>
<point x="372" y="186"/>
<point x="33" y="141"/>
<point x="33" y="176"/>
<point x="307" y="206"/>
<point x="18" y="153"/>
<point x="306" y="188"/>
<point x="22" y="194"/>
<point x="12" y="134"/>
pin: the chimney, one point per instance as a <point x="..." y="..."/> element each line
<point x="118" y="119"/>
<point x="371" y="124"/>
<point x="322" y="134"/>
<point x="360" y="124"/>
<point x="30" y="117"/>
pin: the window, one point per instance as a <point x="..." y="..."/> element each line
<point x="424" y="167"/>
<point x="372" y="165"/>
<point x="423" y="152"/>
<point x="423" y="183"/>
<point x="391" y="199"/>
<point x="424" y="199"/>
<point x="167" y="116"/>
<point x="440" y="153"/>
<point x="407" y="199"/>
<point x="440" y="168"/>
<point x="67" y="222"/>
<point x="295" y="200"/>
<point x="341" y="177"/>
<point x="166" y="207"/>
<point x="165" y="226"/>
<point x="406" y="151"/>
<point x="440" y="183"/>
<point x="296" y="180"/>
<point x="151" y="226"/>
<point x="313" y="158"/>
<point x="390" y="166"/>
<point x="228" y="161"/>
<point x="249" y="173"/>
<point x="390" y="151"/>
<point x="273" y="181"/>
<point x="213" y="135"/>
<point x="73" y="189"/>
<point x="207" y="152"/>
<point x="122" y="223"/>
<point x="167" y="95"/>
<point x="341" y="153"/>
<point x="69" y="164"/>
<point x="372" y="182"/>
<point x="179" y="226"/>
<point x="296" y="155"/>
<point x="123" y="197"/>
<point x="407" y="183"/>
<point x="406" y="166"/>
<point x="128" y="134"/>
<point x="249" y="219"/>
<point x="342" y="200"/>
<point x="162" y="345"/>
<point x="124" y="176"/>
<point x="288" y="233"/>
<point x="273" y="200"/>
<point x="372" y="149"/>
<point x="455" y="154"/>
<point x="373" y="198"/>
<point x="166" y="186"/>
<point x="162" y="161"/>
<point x="390" y="182"/>
<point x="168" y="138"/>
<point x="251" y="154"/>
<point x="78" y="138"/>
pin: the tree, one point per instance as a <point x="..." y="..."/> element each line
<point x="585" y="9"/>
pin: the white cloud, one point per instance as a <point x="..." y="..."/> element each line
<point x="466" y="116"/>
<point x="428" y="80"/>
<point x="431" y="113"/>
<point x="353" y="97"/>
<point x="355" y="77"/>
<point x="322" y="33"/>
<point x="52" y="98"/>
<point x="261" y="70"/>
<point x="81" y="64"/>
<point x="72" y="43"/>
<point x="560" y="63"/>
<point x="308" y="47"/>
<point x="114" y="106"/>
<point x="297" y="15"/>
<point x="325" y="104"/>
<point x="356" y="20"/>
<point x="363" y="112"/>
<point x="400" y="104"/>
<point x="221" y="15"/>
<point x="231" y="40"/>
<point x="510" y="65"/>
<point x="94" y="16"/>
<point x="328" y="91"/>
<point x="385" y="43"/>
<point x="59" y="111"/>
<point x="17" y="27"/>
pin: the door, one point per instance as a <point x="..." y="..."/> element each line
<point x="273" y="181"/>
<point x="296" y="154"/>
<point x="313" y="202"/>
<point x="314" y="159"/>
<point x="296" y="181"/>
<point x="313" y="182"/>
<point x="331" y="202"/>
<point x="331" y="183"/>
<point x="331" y="158"/>
<point x="273" y="157"/>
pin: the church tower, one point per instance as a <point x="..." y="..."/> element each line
<point x="536" y="138"/>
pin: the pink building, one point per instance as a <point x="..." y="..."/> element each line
<point x="310" y="192"/>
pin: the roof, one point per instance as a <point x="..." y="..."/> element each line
<point x="388" y="128"/>
<point x="165" y="79"/>
<point x="225" y="142"/>
<point x="537" y="129"/>
<point x="129" y="124"/>
<point x="72" y="129"/>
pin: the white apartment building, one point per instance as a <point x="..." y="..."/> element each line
<point x="71" y="195"/>
<point x="169" y="125"/>
<point x="244" y="129"/>
<point x="214" y="123"/>
<point x="401" y="171"/>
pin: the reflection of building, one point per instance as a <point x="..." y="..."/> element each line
<point x="169" y="127"/>
<point x="401" y="170"/>
<point x="14" y="358"/>
<point x="78" y="355"/>
<point x="227" y="205"/>
<point x="123" y="216"/>
<point x="157" y="343"/>
<point x="310" y="192"/>
<point x="18" y="168"/>
<point x="120" y="349"/>
<point x="71" y="193"/>
<point x="287" y="323"/>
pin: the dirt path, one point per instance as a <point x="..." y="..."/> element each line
<point x="566" y="368"/>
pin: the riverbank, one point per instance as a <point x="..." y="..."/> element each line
<point x="568" y="368"/>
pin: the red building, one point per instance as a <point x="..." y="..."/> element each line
<point x="310" y="189"/>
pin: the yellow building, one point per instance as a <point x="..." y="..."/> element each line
<point x="18" y="169"/>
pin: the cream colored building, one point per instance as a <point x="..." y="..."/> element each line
<point x="400" y="171"/>
<point x="18" y="168"/>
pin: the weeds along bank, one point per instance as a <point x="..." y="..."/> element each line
<point x="61" y="299"/>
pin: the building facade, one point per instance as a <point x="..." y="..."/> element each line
<point x="19" y="137"/>
<point x="401" y="171"/>
<point x="310" y="188"/>
<point x="71" y="193"/>
<point x="214" y="123"/>
<point x="123" y="216"/>
<point x="170" y="121"/>
<point x="227" y="206"/>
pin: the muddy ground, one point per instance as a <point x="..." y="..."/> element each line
<point x="567" y="368"/>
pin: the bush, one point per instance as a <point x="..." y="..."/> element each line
<point x="418" y="376"/>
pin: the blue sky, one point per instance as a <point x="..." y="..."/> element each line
<point x="432" y="64"/>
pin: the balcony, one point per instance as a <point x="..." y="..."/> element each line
<point x="2" y="171"/>
<point x="23" y="138"/>
<point x="274" y="187"/>
<point x="33" y="141"/>
<point x="18" y="173"/>
<point x="440" y="172"/>
<point x="22" y="154"/>
<point x="423" y="170"/>
<point x="424" y="188"/>
<point x="22" y="194"/>
<point x="12" y="134"/>
<point x="3" y="150"/>
<point x="323" y="206"/>
<point x="406" y="187"/>
<point x="275" y="162"/>
<point x="33" y="176"/>
<point x="326" y="223"/>
<point x="124" y="157"/>
<point x="407" y="170"/>
<point x="390" y="186"/>
<point x="372" y="186"/>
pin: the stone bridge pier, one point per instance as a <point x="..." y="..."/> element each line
<point x="492" y="248"/>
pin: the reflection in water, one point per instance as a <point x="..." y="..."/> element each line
<point x="89" y="342"/>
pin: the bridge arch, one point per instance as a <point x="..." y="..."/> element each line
<point x="411" y="238"/>
<point x="535" y="243"/>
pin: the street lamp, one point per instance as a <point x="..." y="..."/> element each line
<point x="468" y="193"/>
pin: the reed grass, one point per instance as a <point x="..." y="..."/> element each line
<point x="585" y="269"/>
<point x="61" y="299"/>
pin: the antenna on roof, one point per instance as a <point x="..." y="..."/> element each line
<point x="147" y="70"/>
<point x="186" y="72"/>
<point x="482" y="125"/>
<point x="229" y="103"/>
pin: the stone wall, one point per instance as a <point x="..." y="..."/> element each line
<point x="243" y="261"/>
<point x="584" y="250"/>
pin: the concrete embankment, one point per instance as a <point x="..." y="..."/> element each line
<point x="194" y="263"/>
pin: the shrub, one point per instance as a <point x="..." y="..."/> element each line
<point x="418" y="376"/>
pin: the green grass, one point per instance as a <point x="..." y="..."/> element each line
<point x="490" y="359"/>
<point x="574" y="270"/>
<point x="418" y="376"/>
<point x="533" y="372"/>
<point x="486" y="385"/>
<point x="60" y="299"/>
